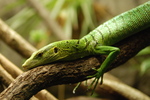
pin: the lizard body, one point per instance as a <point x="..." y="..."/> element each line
<point x="97" y="42"/>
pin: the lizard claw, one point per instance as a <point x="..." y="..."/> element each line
<point x="95" y="69"/>
<point x="76" y="87"/>
<point x="97" y="76"/>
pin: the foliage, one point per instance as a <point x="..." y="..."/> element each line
<point x="26" y="19"/>
<point x="145" y="63"/>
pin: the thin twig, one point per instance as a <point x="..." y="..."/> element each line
<point x="114" y="87"/>
<point x="6" y="76"/>
<point x="7" y="79"/>
<point x="14" y="71"/>
<point x="10" y="67"/>
<point x="15" y="41"/>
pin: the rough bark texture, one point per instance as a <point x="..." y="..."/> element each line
<point x="32" y="81"/>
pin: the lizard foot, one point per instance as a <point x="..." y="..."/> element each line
<point x="98" y="75"/>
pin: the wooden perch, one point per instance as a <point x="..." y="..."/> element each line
<point x="32" y="81"/>
<point x="20" y="45"/>
<point x="7" y="79"/>
<point x="14" y="71"/>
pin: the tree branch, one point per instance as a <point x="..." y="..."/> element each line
<point x="115" y="89"/>
<point x="32" y="81"/>
<point x="15" y="41"/>
<point x="7" y="79"/>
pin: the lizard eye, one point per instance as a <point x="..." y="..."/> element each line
<point x="55" y="50"/>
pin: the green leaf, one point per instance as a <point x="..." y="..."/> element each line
<point x="145" y="66"/>
<point x="37" y="35"/>
<point x="145" y="51"/>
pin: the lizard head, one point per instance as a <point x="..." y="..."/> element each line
<point x="56" y="51"/>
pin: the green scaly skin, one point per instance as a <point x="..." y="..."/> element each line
<point x="97" y="42"/>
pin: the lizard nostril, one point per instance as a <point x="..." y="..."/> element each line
<point x="39" y="54"/>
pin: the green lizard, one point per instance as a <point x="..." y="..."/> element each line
<point x="97" y="42"/>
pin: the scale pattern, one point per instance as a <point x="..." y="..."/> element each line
<point x="121" y="26"/>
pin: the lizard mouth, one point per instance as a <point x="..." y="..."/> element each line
<point x="25" y="65"/>
<point x="28" y="64"/>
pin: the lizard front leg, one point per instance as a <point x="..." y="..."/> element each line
<point x="112" y="53"/>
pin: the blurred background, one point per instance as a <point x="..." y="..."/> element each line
<point x="74" y="18"/>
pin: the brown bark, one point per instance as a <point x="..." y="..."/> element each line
<point x="7" y="79"/>
<point x="32" y="81"/>
<point x="114" y="89"/>
<point x="14" y="71"/>
<point x="20" y="45"/>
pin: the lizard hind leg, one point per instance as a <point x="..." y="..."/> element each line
<point x="112" y="53"/>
